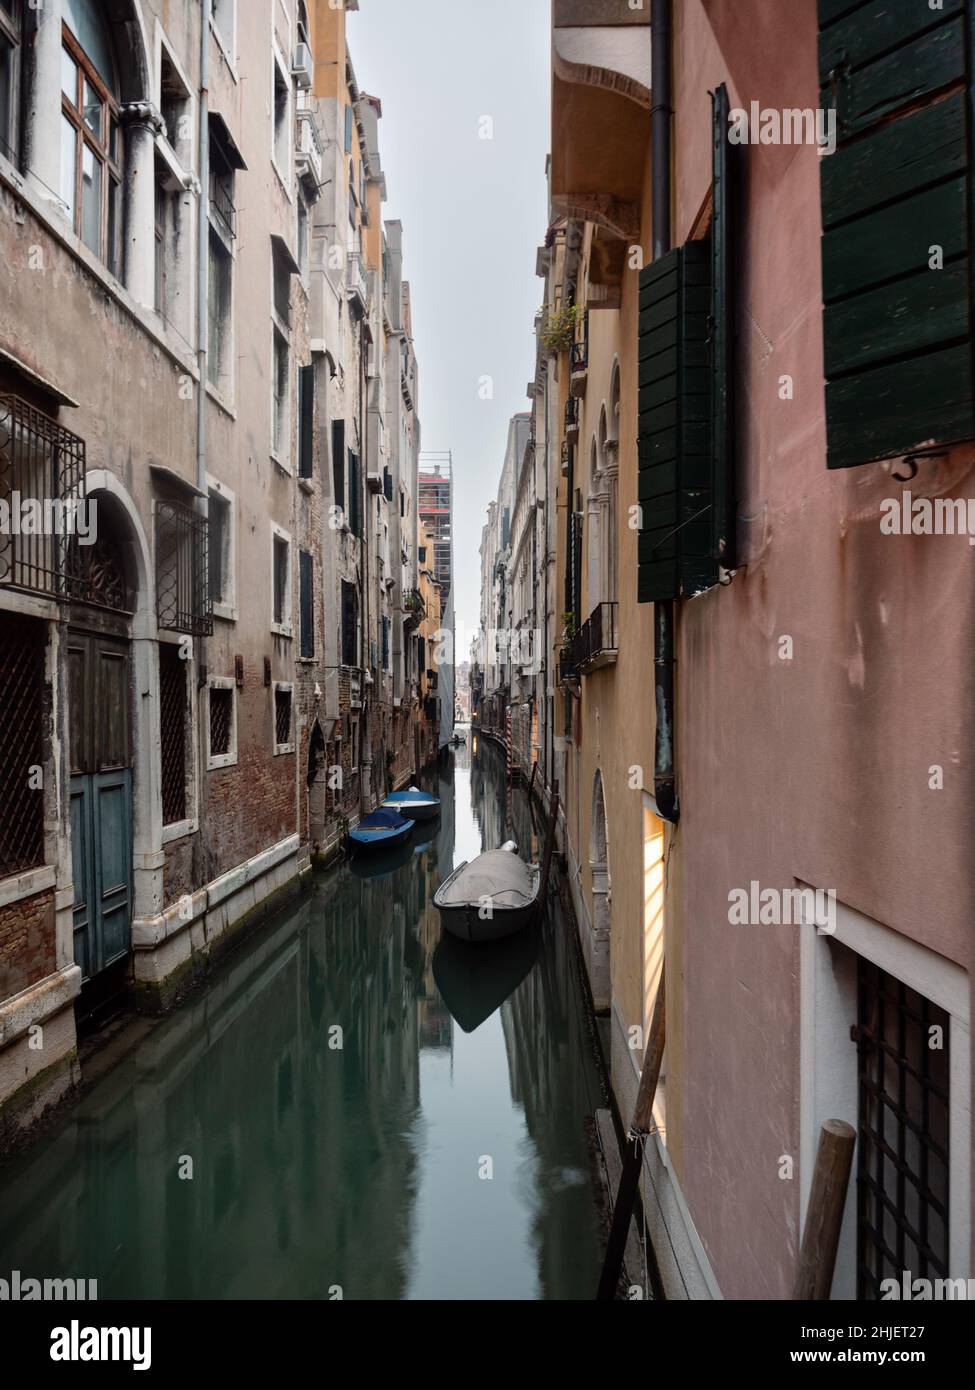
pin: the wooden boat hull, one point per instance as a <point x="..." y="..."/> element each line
<point x="467" y="899"/>
<point x="368" y="840"/>
<point x="416" y="810"/>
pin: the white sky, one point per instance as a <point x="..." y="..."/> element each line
<point x="473" y="212"/>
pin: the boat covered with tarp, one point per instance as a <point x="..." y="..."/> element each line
<point x="490" y="897"/>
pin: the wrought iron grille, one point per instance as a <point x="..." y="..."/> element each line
<point x="222" y="208"/>
<point x="579" y="356"/>
<point x="172" y="732"/>
<point x="42" y="478"/>
<point x="183" y="600"/>
<point x="282" y="716"/>
<point x="21" y="744"/>
<point x="221" y="720"/>
<point x="902" y="1162"/>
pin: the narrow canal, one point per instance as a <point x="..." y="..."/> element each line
<point x="363" y="1107"/>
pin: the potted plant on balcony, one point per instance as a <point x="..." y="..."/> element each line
<point x="558" y="327"/>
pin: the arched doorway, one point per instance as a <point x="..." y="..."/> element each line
<point x="601" y="897"/>
<point x="103" y="588"/>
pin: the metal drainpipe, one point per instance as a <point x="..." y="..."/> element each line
<point x="661" y="114"/>
<point x="202" y="503"/>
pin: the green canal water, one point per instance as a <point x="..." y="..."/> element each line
<point x="364" y="1107"/>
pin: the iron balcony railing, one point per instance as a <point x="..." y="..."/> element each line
<point x="579" y="357"/>
<point x="42" y="510"/>
<point x="183" y="599"/>
<point x="572" y="416"/>
<point x="595" y="644"/>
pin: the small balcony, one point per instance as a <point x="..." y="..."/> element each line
<point x="594" y="645"/>
<point x="309" y="153"/>
<point x="579" y="367"/>
<point x="357" y="285"/>
<point x="572" y="419"/>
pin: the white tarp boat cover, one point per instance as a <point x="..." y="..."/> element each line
<point x="498" y="875"/>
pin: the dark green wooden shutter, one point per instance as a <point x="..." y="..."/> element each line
<point x="723" y="259"/>
<point x="674" y="444"/>
<point x="338" y="462"/>
<point x="897" y="333"/>
<point x="307" y="603"/>
<point x="306" y="420"/>
<point x="355" y="495"/>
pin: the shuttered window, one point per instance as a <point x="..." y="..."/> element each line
<point x="338" y="463"/>
<point x="355" y="495"/>
<point x="350" y="625"/>
<point x="896" y="203"/>
<point x="686" y="402"/>
<point x="306" y="420"/>
<point x="306" y="603"/>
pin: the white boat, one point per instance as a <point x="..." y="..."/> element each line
<point x="489" y="898"/>
<point x="413" y="802"/>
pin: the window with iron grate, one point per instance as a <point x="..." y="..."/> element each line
<point x="282" y="716"/>
<point x="221" y="721"/>
<point x="172" y="732"/>
<point x="22" y="643"/>
<point x="902" y="1153"/>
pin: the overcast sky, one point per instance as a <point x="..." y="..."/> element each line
<point x="473" y="212"/>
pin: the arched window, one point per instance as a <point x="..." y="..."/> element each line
<point x="91" y="138"/>
<point x="11" y="18"/>
<point x="614" y="403"/>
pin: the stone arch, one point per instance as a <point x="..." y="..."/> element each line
<point x="601" y="879"/>
<point x="613" y="417"/>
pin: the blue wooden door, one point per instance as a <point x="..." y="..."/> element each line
<point x="101" y="799"/>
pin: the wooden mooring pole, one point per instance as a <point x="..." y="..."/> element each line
<point x="633" y="1157"/>
<point x="824" y="1216"/>
<point x="553" y="820"/>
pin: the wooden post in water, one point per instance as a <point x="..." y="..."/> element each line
<point x="821" y="1236"/>
<point x="639" y="1129"/>
<point x="553" y="821"/>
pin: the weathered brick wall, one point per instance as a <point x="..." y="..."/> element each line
<point x="27" y="951"/>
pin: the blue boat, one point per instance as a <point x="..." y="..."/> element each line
<point x="420" y="805"/>
<point x="380" y="830"/>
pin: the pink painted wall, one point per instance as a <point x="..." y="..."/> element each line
<point x="817" y="768"/>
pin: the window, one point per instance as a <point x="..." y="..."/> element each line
<point x="219" y="315"/>
<point x="304" y="33"/>
<point x="280" y="422"/>
<point x="303" y="244"/>
<point x="220" y="551"/>
<point x="172" y="731"/>
<point x="175" y="106"/>
<point x="282" y="125"/>
<point x="306" y="420"/>
<point x="22" y="642"/>
<point x="91" y="139"/>
<point x="182" y="570"/>
<point x="348" y="129"/>
<point x="280" y="581"/>
<point x="162" y="211"/>
<point x="306" y="603"/>
<point x="222" y="723"/>
<point x="10" y="36"/>
<point x="354" y="745"/>
<point x="338" y="463"/>
<point x="350" y="624"/>
<point x="385" y="644"/>
<point x="283" y="739"/>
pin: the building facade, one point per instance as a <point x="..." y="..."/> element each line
<point x="761" y="789"/>
<point x="208" y="393"/>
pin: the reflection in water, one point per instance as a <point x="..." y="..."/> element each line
<point x="340" y="1125"/>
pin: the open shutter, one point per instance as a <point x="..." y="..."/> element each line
<point x="338" y="463"/>
<point x="306" y="420"/>
<point x="722" y="333"/>
<point x="897" y="332"/>
<point x="355" y="495"/>
<point x="307" y="603"/>
<point x="674" y="445"/>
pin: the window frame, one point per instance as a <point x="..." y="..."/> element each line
<point x="228" y="759"/>
<point x="284" y="627"/>
<point x="176" y="830"/>
<point x="227" y="607"/>
<point x="12" y="36"/>
<point x="112" y="166"/>
<point x="284" y="688"/>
